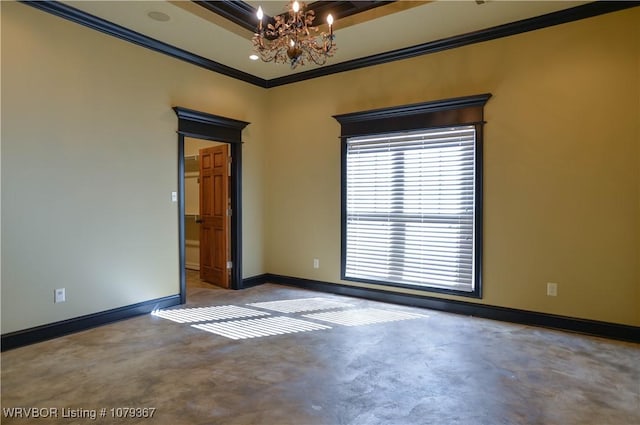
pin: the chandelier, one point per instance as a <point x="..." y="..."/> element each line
<point x="291" y="38"/>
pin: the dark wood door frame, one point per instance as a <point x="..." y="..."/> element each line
<point x="201" y="125"/>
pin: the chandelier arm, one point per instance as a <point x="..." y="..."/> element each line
<point x="291" y="38"/>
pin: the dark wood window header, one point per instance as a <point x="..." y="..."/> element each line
<point x="439" y="113"/>
<point x="208" y="126"/>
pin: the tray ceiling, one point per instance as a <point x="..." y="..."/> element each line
<point x="397" y="25"/>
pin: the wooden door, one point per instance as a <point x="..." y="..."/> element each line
<point x="214" y="215"/>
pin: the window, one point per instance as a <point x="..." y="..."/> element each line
<point x="412" y="196"/>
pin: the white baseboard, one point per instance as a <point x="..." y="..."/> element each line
<point x="192" y="254"/>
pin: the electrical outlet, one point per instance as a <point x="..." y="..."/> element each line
<point x="316" y="263"/>
<point x="552" y="289"/>
<point x="59" y="295"/>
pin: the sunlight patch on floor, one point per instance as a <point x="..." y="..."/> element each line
<point x="236" y="322"/>
<point x="204" y="314"/>
<point x="255" y="328"/>
<point x="362" y="316"/>
<point x="301" y="304"/>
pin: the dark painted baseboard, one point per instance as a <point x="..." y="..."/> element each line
<point x="584" y="326"/>
<point x="590" y="327"/>
<point x="65" y="327"/>
<point x="255" y="280"/>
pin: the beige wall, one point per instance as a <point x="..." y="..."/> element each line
<point x="562" y="163"/>
<point x="89" y="153"/>
<point x="89" y="161"/>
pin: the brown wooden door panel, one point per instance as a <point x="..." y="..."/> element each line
<point x="214" y="204"/>
<point x="206" y="186"/>
<point x="218" y="209"/>
<point x="205" y="244"/>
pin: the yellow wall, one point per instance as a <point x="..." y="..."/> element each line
<point x="562" y="163"/>
<point x="89" y="154"/>
<point x="89" y="160"/>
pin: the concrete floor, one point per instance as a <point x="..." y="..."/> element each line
<point x="438" y="369"/>
<point x="193" y="281"/>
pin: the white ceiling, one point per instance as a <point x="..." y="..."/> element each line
<point x="200" y="31"/>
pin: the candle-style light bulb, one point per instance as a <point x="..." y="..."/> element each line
<point x="260" y="15"/>
<point x="295" y="6"/>
<point x="330" y="22"/>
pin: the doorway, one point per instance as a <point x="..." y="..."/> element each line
<point x="207" y="183"/>
<point x="207" y="127"/>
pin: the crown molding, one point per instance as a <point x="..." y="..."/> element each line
<point x="518" y="27"/>
<point x="238" y="12"/>
<point x="243" y="14"/>
<point x="75" y="15"/>
<point x="530" y="24"/>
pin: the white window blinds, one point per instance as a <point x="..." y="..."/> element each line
<point x="410" y="199"/>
